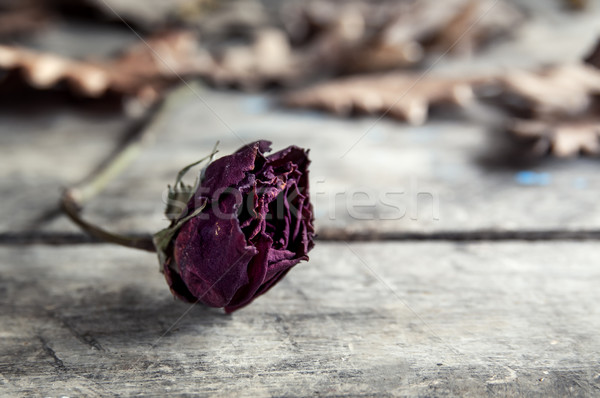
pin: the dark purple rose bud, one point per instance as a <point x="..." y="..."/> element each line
<point x="247" y="223"/>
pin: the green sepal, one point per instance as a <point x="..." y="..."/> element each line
<point x="180" y="193"/>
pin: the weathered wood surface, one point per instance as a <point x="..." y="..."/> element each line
<point x="460" y="163"/>
<point x="46" y="143"/>
<point x="445" y="160"/>
<point x="391" y="319"/>
<point x="41" y="155"/>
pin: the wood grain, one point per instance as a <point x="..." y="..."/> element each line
<point x="509" y="319"/>
<point x="484" y="304"/>
<point x="444" y="176"/>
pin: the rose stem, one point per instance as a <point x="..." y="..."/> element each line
<point x="73" y="198"/>
<point x="71" y="209"/>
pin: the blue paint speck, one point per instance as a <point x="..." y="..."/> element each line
<point x="531" y="178"/>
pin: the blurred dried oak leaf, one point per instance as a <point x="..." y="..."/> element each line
<point x="364" y="36"/>
<point x="403" y="96"/>
<point x="562" y="104"/>
<point x="150" y="67"/>
<point x="269" y="59"/>
<point x="44" y="71"/>
<point x="559" y="90"/>
<point x="143" y="71"/>
<point x="475" y="24"/>
<point x="562" y="138"/>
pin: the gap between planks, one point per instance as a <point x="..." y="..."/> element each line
<point x="337" y="235"/>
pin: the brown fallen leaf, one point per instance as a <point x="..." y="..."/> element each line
<point x="348" y="37"/>
<point x="562" y="104"/>
<point x="403" y="96"/>
<point x="143" y="71"/>
<point x="365" y="36"/>
<point x="559" y="90"/>
<point x="562" y="138"/>
<point x="267" y="60"/>
<point x="43" y="71"/>
<point x="150" y="67"/>
<point x="474" y="24"/>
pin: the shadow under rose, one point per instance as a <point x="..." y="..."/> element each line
<point x="132" y="315"/>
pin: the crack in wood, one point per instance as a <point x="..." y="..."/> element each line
<point x="285" y="331"/>
<point x="84" y="338"/>
<point x="333" y="235"/>
<point x="58" y="363"/>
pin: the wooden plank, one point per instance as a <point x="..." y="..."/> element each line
<point x="47" y="143"/>
<point x="450" y="162"/>
<point x="437" y="177"/>
<point x="397" y="319"/>
<point x="44" y="150"/>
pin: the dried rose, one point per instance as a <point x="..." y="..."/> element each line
<point x="249" y="220"/>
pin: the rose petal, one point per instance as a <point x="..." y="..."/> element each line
<point x="231" y="170"/>
<point x="213" y="256"/>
